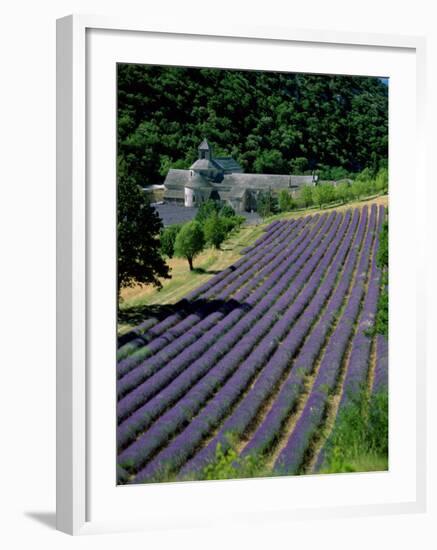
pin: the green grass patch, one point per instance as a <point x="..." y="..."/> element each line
<point x="359" y="441"/>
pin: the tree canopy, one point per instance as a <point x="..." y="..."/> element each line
<point x="268" y="121"/>
<point x="190" y="241"/>
<point x="138" y="227"/>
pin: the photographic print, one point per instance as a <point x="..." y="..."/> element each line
<point x="252" y="262"/>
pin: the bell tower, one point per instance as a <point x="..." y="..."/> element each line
<point x="205" y="150"/>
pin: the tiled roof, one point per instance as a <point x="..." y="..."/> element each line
<point x="227" y="164"/>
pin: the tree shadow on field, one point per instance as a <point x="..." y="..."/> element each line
<point x="201" y="307"/>
<point x="202" y="271"/>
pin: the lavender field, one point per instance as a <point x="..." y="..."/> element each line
<point x="261" y="359"/>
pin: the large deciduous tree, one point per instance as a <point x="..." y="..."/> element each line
<point x="138" y="226"/>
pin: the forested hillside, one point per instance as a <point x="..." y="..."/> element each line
<point x="270" y="122"/>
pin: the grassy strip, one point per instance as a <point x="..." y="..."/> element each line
<point x="359" y="442"/>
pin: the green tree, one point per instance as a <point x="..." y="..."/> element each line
<point x="306" y="195"/>
<point x="381" y="180"/>
<point x="233" y="223"/>
<point x="269" y="162"/>
<point x="190" y="241"/>
<point x="214" y="229"/>
<point x="139" y="260"/>
<point x="358" y="189"/>
<point x="342" y="191"/>
<point x="168" y="238"/>
<point x="265" y="204"/>
<point x="299" y="165"/>
<point x="285" y="201"/>
<point x="207" y="209"/>
<point x="227" y="211"/>
<point x="323" y="193"/>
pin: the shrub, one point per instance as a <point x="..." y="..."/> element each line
<point x="228" y="465"/>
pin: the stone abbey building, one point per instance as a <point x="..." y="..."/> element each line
<point x="222" y="178"/>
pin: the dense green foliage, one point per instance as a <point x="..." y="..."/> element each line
<point x="285" y="201"/>
<point x="266" y="204"/>
<point x="138" y="225"/>
<point x="168" y="239"/>
<point x="190" y="241"/>
<point x="210" y="207"/>
<point x="324" y="194"/>
<point x="229" y="465"/>
<point x="306" y="196"/>
<point x="215" y="230"/>
<point x="360" y="435"/>
<point x="269" y="122"/>
<point x="216" y="222"/>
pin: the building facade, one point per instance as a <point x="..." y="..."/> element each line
<point x="223" y="179"/>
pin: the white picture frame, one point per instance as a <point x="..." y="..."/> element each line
<point x="76" y="311"/>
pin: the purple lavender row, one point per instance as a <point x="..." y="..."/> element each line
<point x="277" y="237"/>
<point x="183" y="446"/>
<point x="380" y="380"/>
<point x="291" y="457"/>
<point x="228" y="355"/>
<point x="218" y="344"/>
<point x="282" y="234"/>
<point x="271" y="226"/>
<point x="135" y="351"/>
<point x="247" y="410"/>
<point x="266" y="237"/>
<point x="268" y="431"/>
<point x="357" y="368"/>
<point x="140" y="451"/>
<point x="138" y="335"/>
<point x="228" y="315"/>
<point x="134" y="338"/>
<point x="256" y="300"/>
<point x="239" y="277"/>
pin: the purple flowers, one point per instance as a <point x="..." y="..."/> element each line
<point x="233" y="361"/>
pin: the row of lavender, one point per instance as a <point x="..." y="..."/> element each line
<point x="214" y="356"/>
<point x="216" y="323"/>
<point x="207" y="375"/>
<point x="129" y="342"/>
<point x="219" y="287"/>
